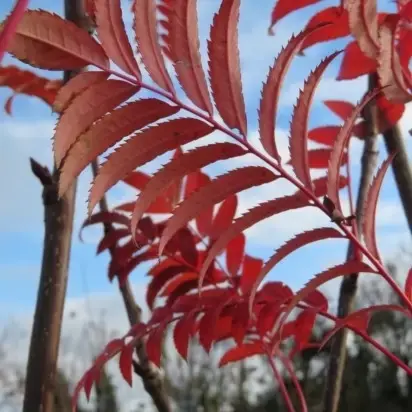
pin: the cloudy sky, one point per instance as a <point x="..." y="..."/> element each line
<point x="28" y="134"/>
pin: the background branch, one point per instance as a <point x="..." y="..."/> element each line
<point x="401" y="168"/>
<point x="348" y="288"/>
<point x="152" y="380"/>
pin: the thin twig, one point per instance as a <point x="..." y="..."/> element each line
<point x="152" y="380"/>
<point x="347" y="292"/>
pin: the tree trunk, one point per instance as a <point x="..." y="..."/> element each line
<point x="46" y="330"/>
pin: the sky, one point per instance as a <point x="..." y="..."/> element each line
<point x="28" y="132"/>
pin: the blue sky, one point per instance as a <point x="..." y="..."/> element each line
<point x="28" y="133"/>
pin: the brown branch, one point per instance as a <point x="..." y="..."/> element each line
<point x="41" y="370"/>
<point x="401" y="168"/>
<point x="152" y="380"/>
<point x="348" y="288"/>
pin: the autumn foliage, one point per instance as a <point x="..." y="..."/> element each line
<point x="201" y="279"/>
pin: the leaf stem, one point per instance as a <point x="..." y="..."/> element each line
<point x="208" y="118"/>
<point x="289" y="367"/>
<point x="368" y="339"/>
<point x="279" y="378"/>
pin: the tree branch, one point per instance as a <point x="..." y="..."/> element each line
<point x="348" y="288"/>
<point x="152" y="380"/>
<point x="401" y="168"/>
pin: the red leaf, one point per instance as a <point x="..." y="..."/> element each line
<point x="23" y="81"/>
<point x="182" y="39"/>
<point x="317" y="299"/>
<point x="257" y="214"/>
<point x="324" y="134"/>
<point x="268" y="109"/>
<point x="132" y="263"/>
<point x="174" y="192"/>
<point x="112" y="34"/>
<point x="338" y="27"/>
<point x="207" y="196"/>
<point x="320" y="185"/>
<point x="182" y="333"/>
<point x="389" y="112"/>
<point x="363" y="24"/>
<point x="358" y="321"/>
<point x="147" y="38"/>
<point x="75" y="86"/>
<point x="160" y="280"/>
<point x="47" y="41"/>
<point x="108" y="131"/>
<point x="89" y="8"/>
<point x="10" y="25"/>
<point x="347" y="268"/>
<point x="304" y="324"/>
<point x="180" y="285"/>
<point x="235" y="252"/>
<point x="338" y="150"/>
<point x="369" y="212"/>
<point x="142" y="148"/>
<point x="187" y="246"/>
<point x="224" y="66"/>
<point x="90" y="105"/>
<point x="240" y="322"/>
<point x="408" y="285"/>
<point x="284" y="7"/>
<point x="110" y="239"/>
<point x="159" y="206"/>
<point x="105" y="217"/>
<point x="299" y="123"/>
<point x="241" y="352"/>
<point x="194" y="182"/>
<point x="297" y="242"/>
<point x="223" y="329"/>
<point x="137" y="179"/>
<point x="159" y="267"/>
<point x="267" y="318"/>
<point x="319" y="158"/>
<point x="251" y="269"/>
<point x="125" y="363"/>
<point x="224" y="216"/>
<point x="148" y="228"/>
<point x="182" y="289"/>
<point x="208" y="323"/>
<point x="390" y="71"/>
<point x="179" y="167"/>
<point x="340" y="108"/>
<point x="275" y="291"/>
<point x="355" y="63"/>
<point x="154" y="344"/>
